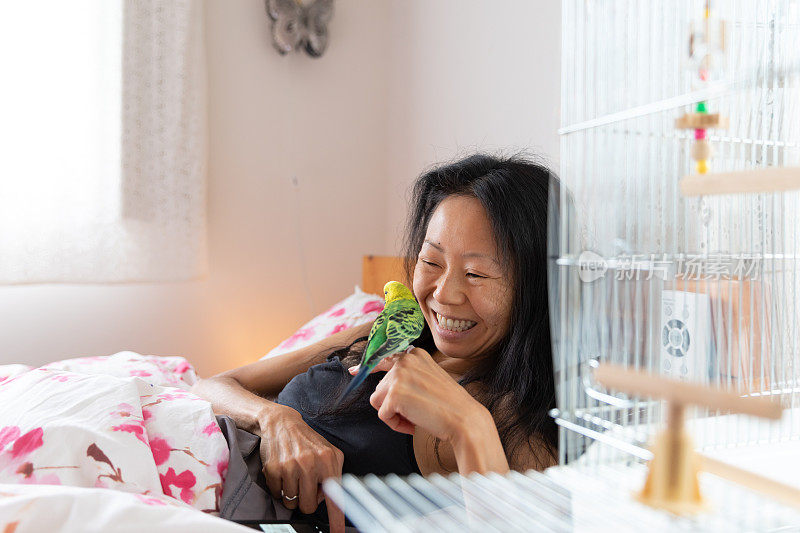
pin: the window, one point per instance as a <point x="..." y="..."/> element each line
<point x="87" y="90"/>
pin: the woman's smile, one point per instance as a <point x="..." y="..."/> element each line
<point x="454" y="324"/>
<point x="452" y="330"/>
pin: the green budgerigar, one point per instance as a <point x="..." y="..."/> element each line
<point x="398" y="325"/>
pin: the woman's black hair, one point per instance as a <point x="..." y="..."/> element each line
<point x="515" y="381"/>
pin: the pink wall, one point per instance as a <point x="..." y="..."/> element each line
<point x="403" y="84"/>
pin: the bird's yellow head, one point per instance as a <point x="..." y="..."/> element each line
<point x="394" y="290"/>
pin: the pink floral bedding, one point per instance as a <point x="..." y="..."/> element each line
<point x="125" y="422"/>
<point x="65" y="509"/>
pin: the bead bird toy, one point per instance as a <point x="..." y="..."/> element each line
<point x="702" y="52"/>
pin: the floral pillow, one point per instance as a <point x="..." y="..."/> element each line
<point x="358" y="308"/>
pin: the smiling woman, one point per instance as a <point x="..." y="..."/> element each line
<point x="474" y="393"/>
<point x="476" y="245"/>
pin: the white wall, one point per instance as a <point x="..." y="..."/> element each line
<point x="468" y="75"/>
<point x="402" y="85"/>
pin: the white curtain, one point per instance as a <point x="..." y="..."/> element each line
<point x="102" y="175"/>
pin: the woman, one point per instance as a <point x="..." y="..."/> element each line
<point x="474" y="393"/>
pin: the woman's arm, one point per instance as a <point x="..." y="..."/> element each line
<point x="480" y="431"/>
<point x="242" y="393"/>
<point x="295" y="458"/>
<point x="476" y="443"/>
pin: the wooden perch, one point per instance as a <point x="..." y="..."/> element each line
<point x="672" y="478"/>
<point x="786" y="494"/>
<point x="672" y="390"/>
<point x="757" y="180"/>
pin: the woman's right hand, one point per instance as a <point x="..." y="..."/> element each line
<point x="297" y="460"/>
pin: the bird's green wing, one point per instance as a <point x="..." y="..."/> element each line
<point x="377" y="337"/>
<point x="403" y="325"/>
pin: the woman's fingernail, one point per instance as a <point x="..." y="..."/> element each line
<point x="352" y="369"/>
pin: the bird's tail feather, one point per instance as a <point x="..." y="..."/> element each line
<point x="357" y="380"/>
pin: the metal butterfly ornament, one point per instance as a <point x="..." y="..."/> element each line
<point x="295" y="25"/>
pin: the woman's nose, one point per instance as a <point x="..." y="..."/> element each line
<point x="448" y="290"/>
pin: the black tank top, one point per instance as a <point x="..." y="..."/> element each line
<point x="369" y="446"/>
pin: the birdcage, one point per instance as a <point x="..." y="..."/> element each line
<point x="679" y="254"/>
<point x="674" y="246"/>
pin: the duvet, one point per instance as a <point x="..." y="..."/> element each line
<point x="98" y="442"/>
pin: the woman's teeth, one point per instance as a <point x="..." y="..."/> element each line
<point x="454" y="325"/>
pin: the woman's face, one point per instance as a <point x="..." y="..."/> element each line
<point x="459" y="281"/>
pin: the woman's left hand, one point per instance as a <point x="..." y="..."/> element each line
<point x="418" y="392"/>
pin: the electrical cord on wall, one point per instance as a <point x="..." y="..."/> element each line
<point x="301" y="248"/>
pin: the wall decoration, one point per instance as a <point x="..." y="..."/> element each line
<point x="297" y="26"/>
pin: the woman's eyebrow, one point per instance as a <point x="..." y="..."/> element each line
<point x="470" y="254"/>
<point x="434" y="245"/>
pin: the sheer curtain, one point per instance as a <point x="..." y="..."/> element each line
<point x="102" y="175"/>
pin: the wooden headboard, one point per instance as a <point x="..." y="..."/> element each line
<point x="376" y="270"/>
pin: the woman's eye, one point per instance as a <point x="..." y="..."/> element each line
<point x="476" y="275"/>
<point x="428" y="262"/>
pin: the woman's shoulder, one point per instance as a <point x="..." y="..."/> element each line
<point x="309" y="391"/>
<point x="319" y="382"/>
<point x="331" y="368"/>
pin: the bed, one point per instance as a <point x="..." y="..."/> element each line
<point x="119" y="441"/>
